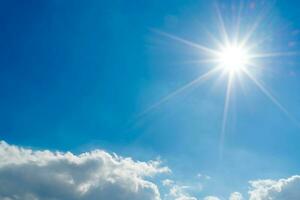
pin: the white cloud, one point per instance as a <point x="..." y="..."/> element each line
<point x="236" y="196"/>
<point x="45" y="175"/>
<point x="282" y="189"/>
<point x="202" y="176"/>
<point x="176" y="191"/>
<point x="167" y="182"/>
<point x="233" y="196"/>
<point x="268" y="189"/>
<point x="211" y="198"/>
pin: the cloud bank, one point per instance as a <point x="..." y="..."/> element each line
<point x="282" y="189"/>
<point x="27" y="174"/>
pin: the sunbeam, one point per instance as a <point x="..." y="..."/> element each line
<point x="253" y="28"/>
<point x="180" y="90"/>
<point x="186" y="42"/>
<point x="222" y="27"/>
<point x="225" y="112"/>
<point x="270" y="96"/>
<point x="275" y="54"/>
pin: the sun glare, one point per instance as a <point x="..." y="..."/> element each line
<point x="233" y="58"/>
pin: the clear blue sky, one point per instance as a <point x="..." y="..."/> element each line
<point x="76" y="75"/>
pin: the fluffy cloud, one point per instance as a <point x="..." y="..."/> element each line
<point x="44" y="175"/>
<point x="282" y="189"/>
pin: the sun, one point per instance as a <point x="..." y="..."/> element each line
<point x="233" y="58"/>
<point x="239" y="53"/>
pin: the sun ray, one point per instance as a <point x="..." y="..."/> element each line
<point x="179" y="90"/>
<point x="275" y="54"/>
<point x="225" y="112"/>
<point x="253" y="28"/>
<point x="238" y="23"/>
<point x="270" y="96"/>
<point x="200" y="61"/>
<point x="215" y="40"/>
<point x="187" y="42"/>
<point x="222" y="26"/>
<point x="250" y="33"/>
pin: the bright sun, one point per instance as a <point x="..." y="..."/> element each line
<point x="233" y="58"/>
<point x="234" y="54"/>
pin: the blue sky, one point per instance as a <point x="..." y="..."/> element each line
<point x="78" y="75"/>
